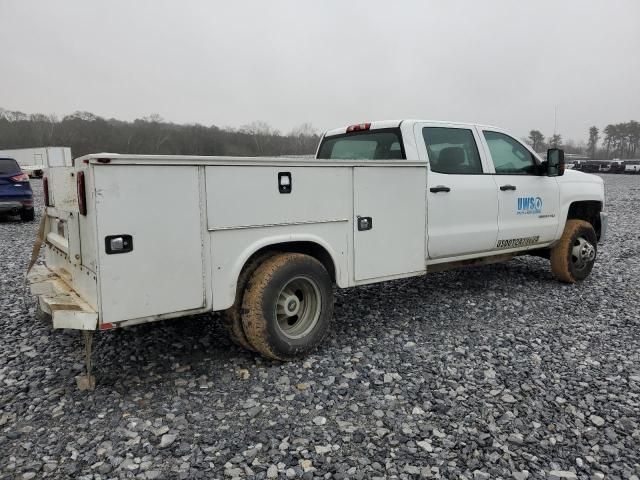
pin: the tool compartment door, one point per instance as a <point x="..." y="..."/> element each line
<point x="159" y="208"/>
<point x="389" y="221"/>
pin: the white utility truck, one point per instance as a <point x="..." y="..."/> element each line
<point x="35" y="161"/>
<point x="130" y="239"/>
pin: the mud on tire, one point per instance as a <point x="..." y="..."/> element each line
<point x="572" y="258"/>
<point x="231" y="317"/>
<point x="287" y="306"/>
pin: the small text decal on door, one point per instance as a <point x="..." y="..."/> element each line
<point x="517" y="242"/>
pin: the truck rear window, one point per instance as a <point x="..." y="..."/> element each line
<point x="8" y="165"/>
<point x="382" y="144"/>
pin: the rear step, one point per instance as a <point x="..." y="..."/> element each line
<point x="59" y="300"/>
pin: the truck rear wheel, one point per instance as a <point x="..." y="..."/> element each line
<point x="232" y="318"/>
<point x="572" y="258"/>
<point x="287" y="306"/>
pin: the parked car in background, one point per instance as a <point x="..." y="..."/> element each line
<point x="616" y="166"/>
<point x="604" y="167"/>
<point x="632" y="166"/>
<point x="16" y="196"/>
<point x="590" y="167"/>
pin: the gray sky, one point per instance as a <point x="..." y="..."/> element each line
<point x="327" y="62"/>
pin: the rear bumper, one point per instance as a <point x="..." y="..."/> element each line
<point x="15" y="205"/>
<point x="9" y="206"/>
<point x="58" y="299"/>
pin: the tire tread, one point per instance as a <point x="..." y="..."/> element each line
<point x="254" y="322"/>
<point x="232" y="317"/>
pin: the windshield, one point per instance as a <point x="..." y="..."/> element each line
<point x="382" y="144"/>
<point x="8" y="165"/>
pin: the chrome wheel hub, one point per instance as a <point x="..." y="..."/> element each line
<point x="582" y="253"/>
<point x="290" y="305"/>
<point x="298" y="307"/>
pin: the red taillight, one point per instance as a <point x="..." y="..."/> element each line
<point x="21" y="177"/>
<point x="82" y="196"/>
<point x="45" y="189"/>
<point x="359" y="127"/>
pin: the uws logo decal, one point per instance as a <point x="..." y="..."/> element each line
<point x="529" y="205"/>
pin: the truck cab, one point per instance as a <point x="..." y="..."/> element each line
<point x="485" y="190"/>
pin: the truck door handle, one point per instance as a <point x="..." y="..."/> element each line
<point x="439" y="188"/>
<point x="364" y="223"/>
<point x="285" y="183"/>
<point x="118" y="244"/>
<point x="504" y="188"/>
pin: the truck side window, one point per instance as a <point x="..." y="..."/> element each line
<point x="452" y="150"/>
<point x="509" y="156"/>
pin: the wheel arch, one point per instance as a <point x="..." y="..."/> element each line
<point x="311" y="245"/>
<point x="308" y="247"/>
<point x="587" y="210"/>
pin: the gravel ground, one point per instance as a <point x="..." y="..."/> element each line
<point x="493" y="372"/>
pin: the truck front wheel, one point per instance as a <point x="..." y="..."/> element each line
<point x="572" y="258"/>
<point x="287" y="306"/>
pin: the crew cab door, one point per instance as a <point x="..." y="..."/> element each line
<point x="462" y="204"/>
<point x="528" y="202"/>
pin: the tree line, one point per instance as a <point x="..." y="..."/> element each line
<point x="87" y="133"/>
<point x="620" y="140"/>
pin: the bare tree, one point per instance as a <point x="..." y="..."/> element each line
<point x="555" y="141"/>
<point x="594" y="136"/>
<point x="153" y="118"/>
<point x="536" y="140"/>
<point x="259" y="128"/>
<point x="305" y="135"/>
<point x="622" y="140"/>
<point x="261" y="133"/>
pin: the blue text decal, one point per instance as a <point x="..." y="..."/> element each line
<point x="528" y="205"/>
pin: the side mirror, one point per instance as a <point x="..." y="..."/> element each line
<point x="555" y="162"/>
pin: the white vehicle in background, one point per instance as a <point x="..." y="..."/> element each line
<point x="604" y="167"/>
<point x="632" y="166"/>
<point x="130" y="239"/>
<point x="35" y="161"/>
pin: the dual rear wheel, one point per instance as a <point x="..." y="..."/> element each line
<point x="283" y="307"/>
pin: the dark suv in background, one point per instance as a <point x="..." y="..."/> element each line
<point x="16" y="196"/>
